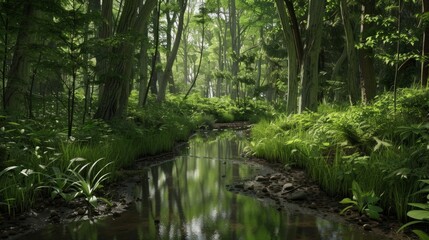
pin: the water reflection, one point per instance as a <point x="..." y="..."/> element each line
<point x="186" y="199"/>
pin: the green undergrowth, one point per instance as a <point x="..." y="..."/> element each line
<point x="383" y="151"/>
<point x="39" y="159"/>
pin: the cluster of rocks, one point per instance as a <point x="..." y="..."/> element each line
<point x="271" y="186"/>
<point x="292" y="191"/>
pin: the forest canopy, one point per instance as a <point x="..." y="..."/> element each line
<point x="292" y="53"/>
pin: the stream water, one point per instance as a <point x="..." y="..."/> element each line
<point x="186" y="198"/>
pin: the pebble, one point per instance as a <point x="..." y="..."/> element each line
<point x="367" y="227"/>
<point x="261" y="179"/>
<point x="287" y="187"/>
<point x="298" y="196"/>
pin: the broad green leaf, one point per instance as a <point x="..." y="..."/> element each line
<point x="422" y="235"/>
<point x="424" y="206"/>
<point x="419" y="214"/>
<point x="348" y="201"/>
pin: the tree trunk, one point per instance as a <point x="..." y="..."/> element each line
<point x="352" y="60"/>
<point x="173" y="54"/>
<point x="425" y="48"/>
<point x="293" y="60"/>
<point x="19" y="72"/>
<point x="336" y="73"/>
<point x="310" y="66"/>
<point x="143" y="65"/>
<point x="234" y="46"/>
<point x="220" y="50"/>
<point x="114" y="100"/>
<point x="366" y="55"/>
<point x="105" y="31"/>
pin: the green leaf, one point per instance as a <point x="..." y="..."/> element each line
<point x="422" y="235"/>
<point x="346" y="208"/>
<point x="419" y="214"/>
<point x="407" y="225"/>
<point x="424" y="206"/>
<point x="375" y="208"/>
<point x="93" y="201"/>
<point x="348" y="201"/>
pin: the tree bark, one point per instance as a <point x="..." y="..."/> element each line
<point x="173" y="54"/>
<point x="310" y="66"/>
<point x="293" y="59"/>
<point x="143" y="65"/>
<point x="18" y="82"/>
<point x="366" y="55"/>
<point x="114" y="100"/>
<point x="105" y="31"/>
<point x="424" y="73"/>
<point x="234" y="46"/>
<point x="352" y="59"/>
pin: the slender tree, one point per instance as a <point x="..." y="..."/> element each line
<point x="352" y="59"/>
<point x="424" y="72"/>
<point x="172" y="56"/>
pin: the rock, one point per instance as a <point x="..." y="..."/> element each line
<point x="287" y="187"/>
<point x="261" y="179"/>
<point x="275" y="188"/>
<point x="249" y="186"/>
<point x="53" y="213"/>
<point x="81" y="211"/>
<point x="298" y="196"/>
<point x="364" y="218"/>
<point x="367" y="227"/>
<point x="264" y="190"/>
<point x="313" y="205"/>
<point x="275" y="177"/>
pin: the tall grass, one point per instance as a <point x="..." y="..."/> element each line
<point x="383" y="151"/>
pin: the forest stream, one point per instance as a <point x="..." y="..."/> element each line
<point x="187" y="198"/>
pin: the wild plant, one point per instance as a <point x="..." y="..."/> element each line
<point x="86" y="180"/>
<point x="421" y="215"/>
<point x="364" y="202"/>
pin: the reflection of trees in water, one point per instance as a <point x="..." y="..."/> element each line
<point x="174" y="200"/>
<point x="157" y="202"/>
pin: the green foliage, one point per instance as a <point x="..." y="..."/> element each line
<point x="383" y="151"/>
<point x="420" y="216"/>
<point x="365" y="202"/>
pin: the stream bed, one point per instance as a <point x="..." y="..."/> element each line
<point x="187" y="198"/>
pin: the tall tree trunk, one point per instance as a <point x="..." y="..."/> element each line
<point x="366" y="55"/>
<point x="336" y="73"/>
<point x="234" y="45"/>
<point x="201" y="56"/>
<point x="173" y="54"/>
<point x="5" y="20"/>
<point x="152" y="78"/>
<point x="143" y="64"/>
<point x="220" y="51"/>
<point x="310" y="66"/>
<point x="352" y="60"/>
<point x="424" y="73"/>
<point x="105" y="31"/>
<point x="19" y="72"/>
<point x="114" y="100"/>
<point x="293" y="59"/>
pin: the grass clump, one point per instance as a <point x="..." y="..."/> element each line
<point x="385" y="151"/>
